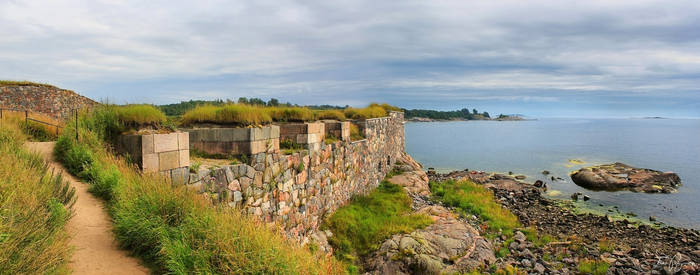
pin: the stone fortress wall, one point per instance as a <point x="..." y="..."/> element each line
<point x="299" y="190"/>
<point x="45" y="99"/>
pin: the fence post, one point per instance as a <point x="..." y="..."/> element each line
<point x="76" y="125"/>
<point x="26" y="116"/>
<point x="0" y="116"/>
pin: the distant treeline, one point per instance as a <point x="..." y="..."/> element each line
<point x="433" y="114"/>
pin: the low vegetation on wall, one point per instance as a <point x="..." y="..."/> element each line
<point x="362" y="225"/>
<point x="253" y="115"/>
<point x="35" y="205"/>
<point x="172" y="227"/>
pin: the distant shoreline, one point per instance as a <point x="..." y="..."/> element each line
<point x="425" y="119"/>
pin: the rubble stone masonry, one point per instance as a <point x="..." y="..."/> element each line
<point x="43" y="99"/>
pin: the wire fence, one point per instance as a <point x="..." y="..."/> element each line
<point x="4" y="112"/>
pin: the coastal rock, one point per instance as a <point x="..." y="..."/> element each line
<point x="619" y="176"/>
<point x="447" y="246"/>
<point x="412" y="177"/>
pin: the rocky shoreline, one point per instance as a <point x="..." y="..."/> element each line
<point x="626" y="247"/>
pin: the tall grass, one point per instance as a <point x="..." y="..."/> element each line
<point x="362" y="225"/>
<point x="471" y="198"/>
<point x="35" y="205"/>
<point x="23" y="83"/>
<point x="34" y="130"/>
<point x="136" y="115"/>
<point x="355" y="133"/>
<point x="365" y="113"/>
<point x="234" y="114"/>
<point x="331" y="114"/>
<point x="174" y="228"/>
<point x="386" y="107"/>
<point x="290" y="114"/>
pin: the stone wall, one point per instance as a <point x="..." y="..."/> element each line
<point x="235" y="141"/>
<point x="338" y="129"/>
<point x="168" y="154"/>
<point x="299" y="190"/>
<point x="311" y="134"/>
<point x="43" y="99"/>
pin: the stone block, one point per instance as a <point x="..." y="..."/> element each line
<point x="147" y="146"/>
<point x="165" y="142"/>
<point x="169" y="160"/>
<point x="150" y="163"/>
<point x="183" y="140"/>
<point x="274" y="131"/>
<point x="315" y="127"/>
<point x="179" y="175"/>
<point x="184" y="158"/>
<point x="241" y="134"/>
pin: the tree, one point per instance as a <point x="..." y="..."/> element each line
<point x="475" y="112"/>
<point x="273" y="102"/>
<point x="242" y="100"/>
<point x="486" y="114"/>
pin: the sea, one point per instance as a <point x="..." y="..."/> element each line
<point x="563" y="145"/>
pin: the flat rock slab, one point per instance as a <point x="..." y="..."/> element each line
<point x="620" y="176"/>
<point x="448" y="246"/>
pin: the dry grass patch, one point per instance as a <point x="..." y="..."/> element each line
<point x="331" y="114"/>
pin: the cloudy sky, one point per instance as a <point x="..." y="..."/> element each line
<point x="539" y="58"/>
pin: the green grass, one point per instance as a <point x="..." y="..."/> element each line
<point x="35" y="205"/>
<point x="245" y="115"/>
<point x="386" y="107"/>
<point x="471" y="198"/>
<point x="537" y="239"/>
<point x="605" y="245"/>
<point x="366" y="221"/>
<point x="593" y="267"/>
<point x="174" y="229"/>
<point x="331" y="114"/>
<point x="330" y="139"/>
<point x="137" y="115"/>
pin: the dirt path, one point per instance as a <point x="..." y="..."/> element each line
<point x="96" y="250"/>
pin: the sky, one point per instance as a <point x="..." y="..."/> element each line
<point x="550" y="58"/>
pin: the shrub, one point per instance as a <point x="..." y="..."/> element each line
<point x="242" y="115"/>
<point x="176" y="230"/>
<point x="471" y="198"/>
<point x="35" y="205"/>
<point x="138" y="115"/>
<point x="290" y="114"/>
<point x="331" y="114"/>
<point x="366" y="221"/>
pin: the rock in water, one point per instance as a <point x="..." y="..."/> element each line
<point x="619" y="176"/>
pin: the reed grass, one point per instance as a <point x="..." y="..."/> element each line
<point x="290" y="114"/>
<point x="137" y="115"/>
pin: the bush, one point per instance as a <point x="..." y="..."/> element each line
<point x="175" y="229"/>
<point x="35" y="205"/>
<point x="290" y="114"/>
<point x="331" y="114"/>
<point x="471" y="198"/>
<point x="363" y="224"/>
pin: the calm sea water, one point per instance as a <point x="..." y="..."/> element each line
<point x="529" y="147"/>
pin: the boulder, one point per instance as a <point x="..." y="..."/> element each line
<point x="412" y="176"/>
<point x="619" y="176"/>
<point x="447" y="246"/>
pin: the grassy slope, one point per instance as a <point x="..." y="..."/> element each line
<point x="363" y="224"/>
<point x="173" y="228"/>
<point x="472" y="198"/>
<point x="34" y="208"/>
